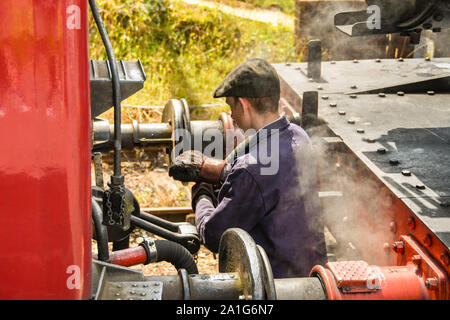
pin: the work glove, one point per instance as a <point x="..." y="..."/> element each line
<point x="203" y="189"/>
<point x="193" y="166"/>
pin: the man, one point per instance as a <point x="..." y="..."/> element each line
<point x="275" y="201"/>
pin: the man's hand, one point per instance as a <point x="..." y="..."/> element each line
<point x="193" y="166"/>
<point x="203" y="189"/>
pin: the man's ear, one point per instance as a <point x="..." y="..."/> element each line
<point x="245" y="104"/>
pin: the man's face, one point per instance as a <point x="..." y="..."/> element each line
<point x="238" y="113"/>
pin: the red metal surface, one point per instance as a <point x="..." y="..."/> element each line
<point x="45" y="161"/>
<point x="356" y="280"/>
<point x="128" y="257"/>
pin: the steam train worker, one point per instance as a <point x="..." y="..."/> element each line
<point x="279" y="209"/>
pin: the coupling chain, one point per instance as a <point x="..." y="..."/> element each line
<point x="109" y="210"/>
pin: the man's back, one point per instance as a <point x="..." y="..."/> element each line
<point x="271" y="192"/>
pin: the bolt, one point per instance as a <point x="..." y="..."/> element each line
<point x="325" y="97"/>
<point x="354" y="86"/>
<point x="119" y="286"/>
<point x="288" y="64"/>
<point x="310" y="79"/>
<point x="416" y="259"/>
<point x="333" y="62"/>
<point x="132" y="292"/>
<point x="406" y="173"/>
<point x="400" y="93"/>
<point x="430" y="93"/>
<point x="393" y="226"/>
<point x="444" y="204"/>
<point x="134" y="284"/>
<point x="398" y="247"/>
<point x="411" y="223"/>
<point x="319" y="88"/>
<point x="427" y="59"/>
<point x="156" y="284"/>
<point x="117" y="294"/>
<point x="353" y="96"/>
<point x="381" y="150"/>
<point x="394" y="162"/>
<point x="355" y="61"/>
<point x="333" y="104"/>
<point x="432" y="283"/>
<point x="360" y="130"/>
<point x="386" y="246"/>
<point x="445" y="258"/>
<point x="351" y="121"/>
<point x="382" y="95"/>
<point x="370" y="140"/>
<point x="420" y="186"/>
<point x="400" y="59"/>
<point x="297" y="68"/>
<point x="427" y="240"/>
<point x="145" y="285"/>
<point x="341" y="112"/>
<point x="144" y="294"/>
<point x="378" y="60"/>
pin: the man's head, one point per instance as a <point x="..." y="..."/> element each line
<point x="252" y="91"/>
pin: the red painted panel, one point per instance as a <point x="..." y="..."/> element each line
<point x="45" y="224"/>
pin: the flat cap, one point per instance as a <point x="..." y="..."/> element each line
<point x="255" y="78"/>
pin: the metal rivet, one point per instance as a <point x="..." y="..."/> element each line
<point x="134" y="284"/>
<point x="297" y="68"/>
<point x="382" y="95"/>
<point x="333" y="104"/>
<point x="381" y="150"/>
<point x="144" y="294"/>
<point x="444" y="204"/>
<point x="319" y="88"/>
<point x="288" y="64"/>
<point x="145" y="285"/>
<point x="341" y="112"/>
<point x="351" y="121"/>
<point x="400" y="93"/>
<point x="378" y="60"/>
<point x="427" y="59"/>
<point x="360" y="130"/>
<point x="420" y="186"/>
<point x="355" y="61"/>
<point x="132" y="292"/>
<point x="445" y="258"/>
<point x="430" y="93"/>
<point x="353" y="96"/>
<point x="411" y="223"/>
<point x="333" y="62"/>
<point x="370" y="140"/>
<point x="427" y="240"/>
<point x="393" y="226"/>
<point x="393" y="162"/>
<point x="154" y="291"/>
<point x="406" y="173"/>
<point x="353" y="87"/>
<point x="310" y="79"/>
<point x="156" y="284"/>
<point x="432" y="283"/>
<point x="117" y="294"/>
<point x="400" y="59"/>
<point x="325" y="97"/>
<point x="119" y="286"/>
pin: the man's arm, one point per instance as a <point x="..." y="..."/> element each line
<point x="242" y="206"/>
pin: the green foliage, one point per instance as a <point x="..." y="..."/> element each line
<point x="186" y="50"/>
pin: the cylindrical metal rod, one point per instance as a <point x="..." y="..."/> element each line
<point x="299" y="289"/>
<point x="117" y="177"/>
<point x="221" y="286"/>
